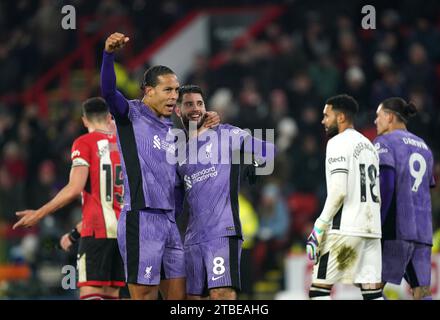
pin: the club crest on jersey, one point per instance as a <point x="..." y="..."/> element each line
<point x="75" y="153"/>
<point x="147" y="274"/>
<point x="208" y="150"/>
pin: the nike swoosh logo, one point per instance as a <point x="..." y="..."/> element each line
<point x="216" y="278"/>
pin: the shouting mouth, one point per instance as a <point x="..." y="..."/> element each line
<point x="170" y="107"/>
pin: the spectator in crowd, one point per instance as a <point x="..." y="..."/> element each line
<point x="272" y="232"/>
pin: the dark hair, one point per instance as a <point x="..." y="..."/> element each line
<point x="345" y="104"/>
<point x="188" y="88"/>
<point x="95" y="109"/>
<point x="151" y="75"/>
<point x="400" y="107"/>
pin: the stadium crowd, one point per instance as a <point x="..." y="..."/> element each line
<point x="280" y="80"/>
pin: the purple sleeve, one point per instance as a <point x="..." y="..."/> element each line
<point x="259" y="148"/>
<point x="117" y="103"/>
<point x="387" y="181"/>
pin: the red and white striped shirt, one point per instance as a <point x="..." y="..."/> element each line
<point x="103" y="194"/>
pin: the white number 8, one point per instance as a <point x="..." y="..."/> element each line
<point x="417" y="174"/>
<point x="219" y="267"/>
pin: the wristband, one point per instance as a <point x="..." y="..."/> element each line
<point x="74" y="235"/>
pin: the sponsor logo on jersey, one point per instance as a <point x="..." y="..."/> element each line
<point x="222" y="147"/>
<point x="199" y="176"/>
<point x="160" y="144"/>
<point x="380" y="149"/>
<point x="339" y="159"/>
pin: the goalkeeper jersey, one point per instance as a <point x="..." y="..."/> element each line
<point x="352" y="157"/>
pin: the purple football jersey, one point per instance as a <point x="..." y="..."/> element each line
<point x="409" y="217"/>
<point x="212" y="188"/>
<point x="149" y="179"/>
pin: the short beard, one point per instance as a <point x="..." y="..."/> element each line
<point x="186" y="121"/>
<point x="332" y="131"/>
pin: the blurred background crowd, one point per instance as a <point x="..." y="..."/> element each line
<point x="278" y="79"/>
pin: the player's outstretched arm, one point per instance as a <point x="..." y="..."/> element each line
<point x="77" y="182"/>
<point x="118" y="104"/>
<point x="115" y="42"/>
<point x="263" y="155"/>
<point x="261" y="149"/>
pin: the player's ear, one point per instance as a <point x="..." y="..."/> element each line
<point x="85" y="121"/>
<point x="178" y="111"/>
<point x="340" y="117"/>
<point x="149" y="91"/>
<point x="391" y="117"/>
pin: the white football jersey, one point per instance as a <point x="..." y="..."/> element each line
<point x="351" y="156"/>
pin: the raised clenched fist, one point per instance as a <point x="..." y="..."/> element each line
<point x="115" y="41"/>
